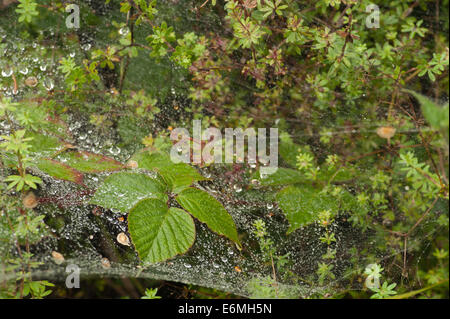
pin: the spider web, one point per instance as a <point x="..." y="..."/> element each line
<point x="85" y="238"/>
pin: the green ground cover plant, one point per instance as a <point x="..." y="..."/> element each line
<point x="358" y="207"/>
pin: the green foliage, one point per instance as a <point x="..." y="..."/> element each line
<point x="355" y="147"/>
<point x="283" y="176"/>
<point x="122" y="191"/>
<point x="178" y="176"/>
<point x="208" y="210"/>
<point x="278" y="264"/>
<point x="21" y="181"/>
<point x="150" y="293"/>
<point x="27" y="10"/>
<point x="301" y="205"/>
<point x="159" y="232"/>
<point x="86" y="162"/>
<point x="60" y="170"/>
<point x="437" y="116"/>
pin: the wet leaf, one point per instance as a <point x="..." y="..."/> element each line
<point x="301" y="205"/>
<point x="59" y="170"/>
<point x="90" y="163"/>
<point x="121" y="191"/>
<point x="208" y="210"/>
<point x="283" y="176"/>
<point x="43" y="145"/>
<point x="158" y="232"/>
<point x="179" y="176"/>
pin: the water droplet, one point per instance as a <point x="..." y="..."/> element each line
<point x="207" y="174"/>
<point x="237" y="188"/>
<point x="86" y="47"/>
<point x="269" y="205"/>
<point x="187" y="265"/>
<point x="24" y="70"/>
<point x="48" y="84"/>
<point x="7" y="72"/>
<point x="124" y="31"/>
<point x="114" y="150"/>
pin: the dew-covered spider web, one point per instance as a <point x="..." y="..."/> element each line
<point x="86" y="236"/>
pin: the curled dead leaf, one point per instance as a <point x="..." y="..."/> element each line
<point x="30" y="201"/>
<point x="386" y="132"/>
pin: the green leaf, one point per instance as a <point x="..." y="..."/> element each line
<point x="208" y="210"/>
<point x="437" y="116"/>
<point x="179" y="176"/>
<point x="121" y="191"/>
<point x="416" y="292"/>
<point x="301" y="205"/>
<point x="283" y="176"/>
<point x="158" y="232"/>
<point x="288" y="149"/>
<point x="59" y="170"/>
<point x="90" y="163"/>
<point x="43" y="145"/>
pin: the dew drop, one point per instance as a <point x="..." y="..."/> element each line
<point x="24" y="71"/>
<point x="7" y="72"/>
<point x="86" y="47"/>
<point x="207" y="175"/>
<point x="124" y="31"/>
<point x="114" y="150"/>
<point x="48" y="84"/>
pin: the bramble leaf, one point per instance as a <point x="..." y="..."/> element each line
<point x="59" y="170"/>
<point x="179" y="176"/>
<point x="158" y="232"/>
<point x="208" y="210"/>
<point x="121" y="191"/>
<point x="90" y="163"/>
